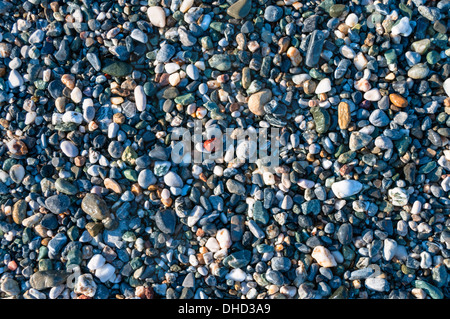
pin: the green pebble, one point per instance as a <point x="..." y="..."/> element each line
<point x="149" y="88"/>
<point x="66" y="187"/>
<point x="136" y="263"/>
<point x="129" y="236"/>
<point x="73" y="233"/>
<point x="403" y="144"/>
<point x="391" y="56"/>
<point x="326" y="5"/>
<point x="221" y="62"/>
<point x="340" y="293"/>
<point x="178" y="15"/>
<point x="217" y="26"/>
<point x="117" y="68"/>
<point x="406" y="10"/>
<point x="316" y="74"/>
<point x="185" y="99"/>
<point x="131" y="175"/>
<point x="431" y="290"/>
<point x="433" y="57"/>
<point x="322" y="119"/>
<point x="206" y="43"/>
<point x="427" y="168"/>
<point x="348" y="253"/>
<point x="129" y="155"/>
<point x="337" y="9"/>
<point x="346" y="157"/>
<point x="134" y="282"/>
<point x="45" y="264"/>
<point x="260" y="214"/>
<point x="27" y="235"/>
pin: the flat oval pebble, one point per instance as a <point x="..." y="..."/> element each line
<point x="346" y="188"/>
<point x="69" y="149"/>
<point x="324" y="86"/>
<point x="172" y="179"/>
<point x="140" y="98"/>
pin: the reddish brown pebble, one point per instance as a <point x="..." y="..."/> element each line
<point x="344" y="116"/>
<point x="68" y="80"/>
<point x="398" y="100"/>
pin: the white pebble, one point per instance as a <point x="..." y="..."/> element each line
<point x="69" y="149"/>
<point x="323" y="257"/>
<point x="192" y="72"/>
<point x="72" y="117"/>
<point x="15" y="79"/>
<point x="105" y="273"/>
<point x="76" y="95"/>
<point x="140" y="98"/>
<point x="157" y="16"/>
<point x="372" y="95"/>
<point x="402" y="28"/>
<point x="351" y="20"/>
<point x="446" y="86"/>
<point x="324" y="86"/>
<point x="96" y="262"/>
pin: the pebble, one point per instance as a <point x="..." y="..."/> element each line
<point x="86" y="285"/>
<point x="17" y="173"/>
<point x="47" y="279"/>
<point x="95" y="206"/>
<point x="10" y="287"/>
<point x="146" y="178"/>
<point x="403" y="27"/>
<point x="389" y="249"/>
<point x="379" y="118"/>
<point x="240" y="9"/>
<point x="314" y="48"/>
<point x="346" y="188"/>
<point x="57" y="204"/>
<point x="105" y="272"/>
<point x="157" y="16"/>
<point x="399" y="196"/>
<point x="273" y="13"/>
<point x="377" y="284"/>
<point x="140" y="98"/>
<point x="323" y="257"/>
<point x="172" y="179"/>
<point x="324" y="86"/>
<point x="257" y="101"/>
<point x="398" y="100"/>
<point x="15" y="79"/>
<point x="166" y="221"/>
<point x="446" y="86"/>
<point x="96" y="262"/>
<point x="372" y="95"/>
<point x="139" y="36"/>
<point x="69" y="149"/>
<point x="418" y="71"/>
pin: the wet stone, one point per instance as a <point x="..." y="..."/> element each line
<point x="57" y="204"/>
<point x="95" y="206"/>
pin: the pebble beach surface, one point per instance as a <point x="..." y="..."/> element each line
<point x="93" y="205"/>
